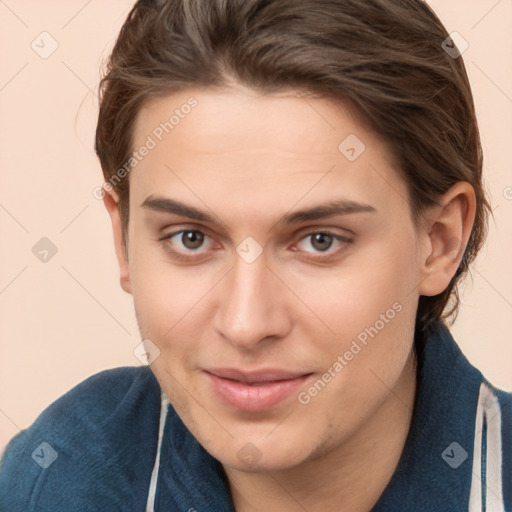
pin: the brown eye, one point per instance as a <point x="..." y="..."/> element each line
<point x="321" y="241"/>
<point x="323" y="244"/>
<point x="186" y="243"/>
<point x="192" y="239"/>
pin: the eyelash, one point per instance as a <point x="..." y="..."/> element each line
<point x="187" y="258"/>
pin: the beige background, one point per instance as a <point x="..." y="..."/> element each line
<point x="66" y="319"/>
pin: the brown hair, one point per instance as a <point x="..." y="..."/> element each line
<point x="384" y="57"/>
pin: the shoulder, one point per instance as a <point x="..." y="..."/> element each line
<point x="99" y="439"/>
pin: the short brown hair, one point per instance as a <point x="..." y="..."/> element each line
<point x="383" y="57"/>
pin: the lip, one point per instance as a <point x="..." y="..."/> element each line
<point x="256" y="390"/>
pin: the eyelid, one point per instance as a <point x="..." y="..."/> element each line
<point x="186" y="256"/>
<point x="299" y="233"/>
<point x="343" y="240"/>
<point x="332" y="231"/>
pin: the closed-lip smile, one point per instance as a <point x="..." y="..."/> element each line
<point x="255" y="390"/>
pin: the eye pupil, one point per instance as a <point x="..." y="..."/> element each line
<point x="321" y="238"/>
<point x="192" y="239"/>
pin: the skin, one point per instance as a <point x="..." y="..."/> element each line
<point x="248" y="159"/>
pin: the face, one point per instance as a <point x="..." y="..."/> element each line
<point x="274" y="268"/>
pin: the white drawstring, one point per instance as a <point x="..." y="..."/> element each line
<point x="150" y="504"/>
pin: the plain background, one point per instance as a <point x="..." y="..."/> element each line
<point x="66" y="319"/>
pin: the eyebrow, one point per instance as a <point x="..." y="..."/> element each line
<point x="329" y="209"/>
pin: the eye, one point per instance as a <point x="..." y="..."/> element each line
<point x="191" y="239"/>
<point x="322" y="241"/>
<point x="185" y="243"/>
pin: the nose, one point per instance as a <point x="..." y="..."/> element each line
<point x="253" y="305"/>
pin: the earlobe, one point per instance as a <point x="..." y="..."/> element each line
<point x="446" y="236"/>
<point x="110" y="201"/>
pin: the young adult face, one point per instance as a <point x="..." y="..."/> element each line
<point x="253" y="286"/>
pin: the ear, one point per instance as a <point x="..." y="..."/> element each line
<point x="110" y="200"/>
<point x="445" y="237"/>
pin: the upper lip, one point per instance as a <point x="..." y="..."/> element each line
<point x="264" y="375"/>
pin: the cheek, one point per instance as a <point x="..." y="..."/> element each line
<point x="173" y="303"/>
<point x="168" y="307"/>
<point x="370" y="309"/>
<point x="364" y="359"/>
<point x="162" y="294"/>
<point x="371" y="282"/>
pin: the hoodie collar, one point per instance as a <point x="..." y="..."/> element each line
<point x="434" y="471"/>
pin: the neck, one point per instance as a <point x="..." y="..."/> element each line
<point x="351" y="477"/>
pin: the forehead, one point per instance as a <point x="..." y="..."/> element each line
<point x="277" y="149"/>
<point x="284" y="121"/>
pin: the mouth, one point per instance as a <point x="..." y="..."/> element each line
<point x="254" y="391"/>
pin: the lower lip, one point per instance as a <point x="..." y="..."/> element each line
<point x="257" y="397"/>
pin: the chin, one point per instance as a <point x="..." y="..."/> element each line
<point x="258" y="456"/>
